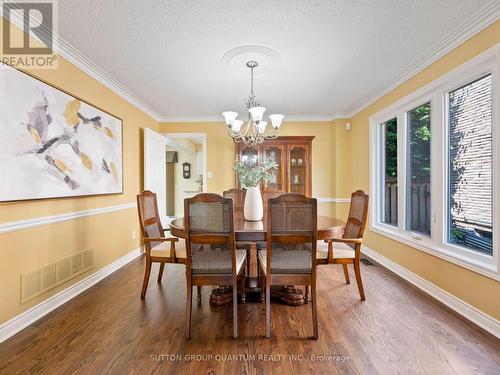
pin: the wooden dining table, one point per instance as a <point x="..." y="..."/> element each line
<point x="252" y="235"/>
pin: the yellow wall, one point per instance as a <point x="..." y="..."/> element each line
<point x="221" y="154"/>
<point x="479" y="291"/>
<point x="109" y="235"/>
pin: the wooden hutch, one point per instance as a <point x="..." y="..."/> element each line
<point x="294" y="159"/>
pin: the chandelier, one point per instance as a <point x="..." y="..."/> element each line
<point x="255" y="130"/>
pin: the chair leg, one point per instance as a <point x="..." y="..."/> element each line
<point x="146" y="278"/>
<point x="189" y="304"/>
<point x="268" y="308"/>
<point x="314" y="304"/>
<point x="307" y="297"/>
<point x="242" y="286"/>
<point x="346" y="273"/>
<point x="160" y="274"/>
<point x="235" y="308"/>
<point x="198" y="296"/>
<point x="357" y="271"/>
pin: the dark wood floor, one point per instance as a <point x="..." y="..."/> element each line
<point x="109" y="330"/>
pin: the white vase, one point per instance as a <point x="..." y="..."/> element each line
<point x="253" y="209"/>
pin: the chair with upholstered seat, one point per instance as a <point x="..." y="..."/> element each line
<point x="290" y="255"/>
<point x="347" y="250"/>
<point x="212" y="258"/>
<point x="268" y="194"/>
<point x="158" y="248"/>
<point x="237" y="195"/>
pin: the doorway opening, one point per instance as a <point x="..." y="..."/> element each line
<point x="186" y="166"/>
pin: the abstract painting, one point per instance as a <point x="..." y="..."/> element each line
<point x="53" y="144"/>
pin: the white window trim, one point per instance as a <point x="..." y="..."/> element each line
<point x="436" y="93"/>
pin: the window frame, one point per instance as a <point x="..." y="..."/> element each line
<point x="436" y="92"/>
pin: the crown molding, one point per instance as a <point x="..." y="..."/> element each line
<point x="219" y="118"/>
<point x="82" y="62"/>
<point x="63" y="49"/>
<point x="477" y="22"/>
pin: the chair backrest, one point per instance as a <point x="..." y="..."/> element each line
<point x="210" y="242"/>
<point x="291" y="234"/>
<point x="237" y="195"/>
<point x="269" y="194"/>
<point x="149" y="218"/>
<point x="358" y="213"/>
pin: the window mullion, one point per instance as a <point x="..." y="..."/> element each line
<point x="401" y="137"/>
<point x="438" y="168"/>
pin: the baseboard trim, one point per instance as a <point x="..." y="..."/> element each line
<point x="45" y="220"/>
<point x="468" y="311"/>
<point x="21" y="321"/>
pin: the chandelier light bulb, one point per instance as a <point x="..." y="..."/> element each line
<point x="257" y="113"/>
<point x="229" y="117"/>
<point x="236" y="125"/>
<point x="261" y="126"/>
<point x="276" y="120"/>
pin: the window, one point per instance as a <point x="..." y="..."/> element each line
<point x="389" y="212"/>
<point x="470" y="184"/>
<point x="418" y="186"/>
<point x="435" y="167"/>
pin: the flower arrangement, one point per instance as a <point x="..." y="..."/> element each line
<point x="251" y="176"/>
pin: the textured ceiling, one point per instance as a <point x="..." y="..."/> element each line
<point x="331" y="53"/>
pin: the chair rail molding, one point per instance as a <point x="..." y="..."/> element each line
<point x="463" y="308"/>
<point x="46" y="220"/>
<point x="334" y="200"/>
<point x="21" y="321"/>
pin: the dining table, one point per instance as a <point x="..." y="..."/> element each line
<point x="251" y="235"/>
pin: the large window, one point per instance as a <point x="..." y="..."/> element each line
<point x="435" y="162"/>
<point x="470" y="185"/>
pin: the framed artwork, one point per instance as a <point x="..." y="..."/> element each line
<point x="53" y="144"/>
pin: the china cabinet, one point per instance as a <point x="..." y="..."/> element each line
<point x="292" y="154"/>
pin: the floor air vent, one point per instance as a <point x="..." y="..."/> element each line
<point x="366" y="262"/>
<point x="48" y="277"/>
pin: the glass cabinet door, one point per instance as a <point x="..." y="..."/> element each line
<point x="276" y="153"/>
<point x="249" y="156"/>
<point x="298" y="165"/>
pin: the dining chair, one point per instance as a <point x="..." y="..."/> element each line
<point x="212" y="258"/>
<point x="268" y="194"/>
<point x="347" y="250"/>
<point x="290" y="256"/>
<point x="158" y="248"/>
<point x="237" y="195"/>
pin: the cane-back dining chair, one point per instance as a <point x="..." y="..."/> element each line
<point x="268" y="194"/>
<point x="212" y="258"/>
<point x="158" y="248"/>
<point x="237" y="195"/>
<point x="290" y="255"/>
<point x="347" y="250"/>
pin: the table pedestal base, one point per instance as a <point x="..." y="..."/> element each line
<point x="287" y="294"/>
<point x="221" y="295"/>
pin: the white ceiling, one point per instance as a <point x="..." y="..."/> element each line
<point x="332" y="56"/>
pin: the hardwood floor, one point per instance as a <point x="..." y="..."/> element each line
<point x="110" y="330"/>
